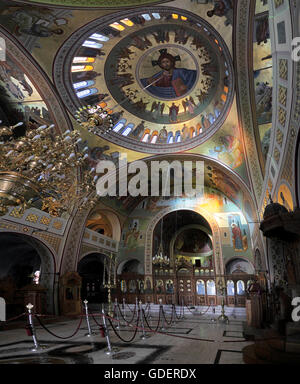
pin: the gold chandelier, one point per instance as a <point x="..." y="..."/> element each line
<point x="159" y="258"/>
<point x="46" y="169"/>
<point x="96" y="119"/>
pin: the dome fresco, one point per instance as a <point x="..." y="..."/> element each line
<point x="168" y="77"/>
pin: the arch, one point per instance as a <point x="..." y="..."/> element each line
<point x="113" y="220"/>
<point x="91" y="269"/>
<point x="219" y="267"/>
<point x="235" y="264"/>
<point x="177" y="233"/>
<point x="48" y="267"/>
<point x="128" y="261"/>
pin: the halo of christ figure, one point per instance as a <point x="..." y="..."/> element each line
<point x="170" y="82"/>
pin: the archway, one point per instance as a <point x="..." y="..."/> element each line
<point x="91" y="269"/>
<point x="240" y="274"/>
<point x="188" y="243"/>
<point x="105" y="222"/>
<point x="21" y="258"/>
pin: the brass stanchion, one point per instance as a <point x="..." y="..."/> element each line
<point x="109" y="350"/>
<point x="161" y="308"/>
<point x="144" y="336"/>
<point x="37" y="346"/>
<point x="90" y="333"/>
<point x="116" y="313"/>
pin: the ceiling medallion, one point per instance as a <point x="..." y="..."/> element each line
<point x="165" y="77"/>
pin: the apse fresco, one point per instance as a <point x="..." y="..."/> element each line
<point x="234" y="229"/>
<point x="20" y="95"/>
<point x="263" y="74"/>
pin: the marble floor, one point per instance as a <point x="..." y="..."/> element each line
<point x="196" y="339"/>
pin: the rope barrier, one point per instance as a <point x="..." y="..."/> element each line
<point x="12" y="318"/>
<point x="53" y="334"/>
<point x="180" y="314"/>
<point x="124" y="317"/>
<point x="168" y="323"/>
<point x="118" y="335"/>
<point x="159" y="316"/>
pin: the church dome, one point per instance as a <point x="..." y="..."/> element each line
<point x="165" y="77"/>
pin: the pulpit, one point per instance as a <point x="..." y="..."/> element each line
<point x="254" y="311"/>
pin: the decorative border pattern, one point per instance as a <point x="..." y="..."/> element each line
<point x="243" y="93"/>
<point x="91" y="4"/>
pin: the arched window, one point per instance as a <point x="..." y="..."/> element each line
<point x="200" y="286"/>
<point x="211" y="288"/>
<point x="86" y="92"/>
<point x="178" y="137"/>
<point x="81" y="68"/>
<point x="128" y="129"/>
<point x="154" y="139"/>
<point x="127" y="22"/>
<point x="193" y="132"/>
<point x="120" y="124"/>
<point x="240" y="287"/>
<point x="92" y="44"/>
<point x="83" y="84"/>
<point x="99" y="37"/>
<point x="117" y="26"/>
<point x="170" y="139"/>
<point x="146" y="17"/>
<point x="81" y="59"/>
<point x="230" y="288"/>
<point x="146" y="137"/>
<point x="156" y="16"/>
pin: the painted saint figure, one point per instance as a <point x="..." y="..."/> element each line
<point x="237" y="236"/>
<point x="171" y="82"/>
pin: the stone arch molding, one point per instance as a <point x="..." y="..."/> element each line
<point x="48" y="267"/>
<point x="219" y="265"/>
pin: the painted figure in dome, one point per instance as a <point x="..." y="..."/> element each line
<point x="170" y="82"/>
<point x="173" y="113"/>
<point x="237" y="237"/>
<point x="163" y="135"/>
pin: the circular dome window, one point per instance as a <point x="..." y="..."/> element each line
<point x="164" y="75"/>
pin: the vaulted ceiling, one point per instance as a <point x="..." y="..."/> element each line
<point x="61" y="58"/>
